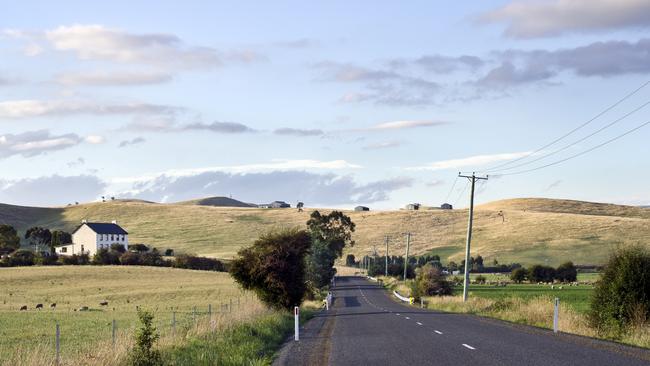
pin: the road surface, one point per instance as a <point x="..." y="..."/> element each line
<point x="367" y="327"/>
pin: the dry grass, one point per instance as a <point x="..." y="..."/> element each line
<point x="556" y="230"/>
<point x="27" y="338"/>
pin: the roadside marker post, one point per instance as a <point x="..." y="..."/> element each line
<point x="58" y="344"/>
<point x="296" y="323"/>
<point x="556" y="315"/>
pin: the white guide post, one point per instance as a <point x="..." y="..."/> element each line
<point x="556" y="315"/>
<point x="296" y="317"/>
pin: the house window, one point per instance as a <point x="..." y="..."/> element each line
<point x="64" y="249"/>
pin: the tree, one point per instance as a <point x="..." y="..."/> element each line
<point x="274" y="267"/>
<point x="452" y="266"/>
<point x="60" y="237"/>
<point x="105" y="256"/>
<point x="518" y="275"/>
<point x="117" y="247"/>
<point x="430" y="281"/>
<point x="39" y="237"/>
<point x="477" y="264"/>
<point x="320" y="264"/>
<point x="143" y="353"/>
<point x="335" y="229"/>
<point x="138" y="248"/>
<point x="9" y="239"/>
<point x="622" y="295"/>
<point x="22" y="257"/>
<point x="539" y="273"/>
<point x="350" y="260"/>
<point x="566" y="272"/>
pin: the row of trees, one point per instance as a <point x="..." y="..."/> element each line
<point x="283" y="266"/>
<point x="39" y="238"/>
<point x="565" y="272"/>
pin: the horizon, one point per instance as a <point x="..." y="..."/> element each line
<point x="325" y="104"/>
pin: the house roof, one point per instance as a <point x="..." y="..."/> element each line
<point x="104" y="228"/>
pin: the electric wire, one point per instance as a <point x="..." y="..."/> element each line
<point x="629" y="95"/>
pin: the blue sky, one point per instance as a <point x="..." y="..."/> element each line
<point x="335" y="104"/>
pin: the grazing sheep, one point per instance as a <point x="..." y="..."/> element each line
<point x="39" y="306"/>
<point x="103" y="303"/>
<point x="53" y="305"/>
<point x="24" y="307"/>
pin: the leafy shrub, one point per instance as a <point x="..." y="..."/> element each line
<point x="622" y="295"/>
<point x="430" y="281"/>
<point x="350" y="261"/>
<point x="21" y="257"/>
<point x="169" y="252"/>
<point x="9" y="240"/>
<point x="320" y="264"/>
<point x="199" y="263"/>
<point x="130" y="259"/>
<point x="566" y="272"/>
<point x="274" y="267"/>
<point x="117" y="247"/>
<point x="518" y="275"/>
<point x="46" y="260"/>
<point x="138" y="248"/>
<point x="143" y="353"/>
<point x="480" y="279"/>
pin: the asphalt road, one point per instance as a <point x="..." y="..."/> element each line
<point x="367" y="327"/>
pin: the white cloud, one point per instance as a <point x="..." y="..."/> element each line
<point x="382" y="145"/>
<point x="274" y="165"/>
<point x="298" y="132"/>
<point x="472" y="161"/>
<point x="94" y="139"/>
<point x="116" y="78"/>
<point x="14" y="109"/>
<point x="529" y="19"/>
<point x="34" y="143"/>
<point x="51" y="190"/>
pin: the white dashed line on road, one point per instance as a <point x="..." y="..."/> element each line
<point x="468" y="346"/>
<point x="419" y="323"/>
<point x="438" y="332"/>
<point x="407" y="318"/>
<point x="397" y="314"/>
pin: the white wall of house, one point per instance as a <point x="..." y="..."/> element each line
<point x="105" y="240"/>
<point x="68" y="249"/>
<point x="85" y="240"/>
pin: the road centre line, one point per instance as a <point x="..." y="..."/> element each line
<point x="419" y="323"/>
<point x="468" y="346"/>
<point x="438" y="332"/>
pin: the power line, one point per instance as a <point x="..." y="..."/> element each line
<point x="574" y="130"/>
<point x="581" y="153"/>
<point x="452" y="188"/>
<point x="461" y="194"/>
<point x="573" y="143"/>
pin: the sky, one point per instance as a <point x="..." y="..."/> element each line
<point x="335" y="104"/>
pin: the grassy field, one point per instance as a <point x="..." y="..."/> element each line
<point x="528" y="231"/>
<point x="86" y="335"/>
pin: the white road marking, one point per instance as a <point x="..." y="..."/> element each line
<point x="407" y="318"/>
<point x="397" y="314"/>
<point x="419" y="323"/>
<point x="468" y="346"/>
<point x="437" y="331"/>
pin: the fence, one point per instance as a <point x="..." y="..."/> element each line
<point x="65" y="337"/>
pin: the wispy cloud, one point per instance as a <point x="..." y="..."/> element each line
<point x="298" y="132"/>
<point x="382" y="145"/>
<point x="405" y="124"/>
<point x="134" y="141"/>
<point x="115" y="78"/>
<point x="218" y="127"/>
<point x="16" y="109"/>
<point x="530" y="19"/>
<point x="51" y="190"/>
<point x="472" y="161"/>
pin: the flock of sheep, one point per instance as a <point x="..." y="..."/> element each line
<point x="53" y="306"/>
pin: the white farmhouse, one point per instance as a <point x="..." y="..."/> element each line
<point x="89" y="237"/>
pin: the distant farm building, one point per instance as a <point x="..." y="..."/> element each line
<point x="413" y="206"/>
<point x="275" y="204"/>
<point x="89" y="237"/>
<point x="361" y="208"/>
<point x="446" y="206"/>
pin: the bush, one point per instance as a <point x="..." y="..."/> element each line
<point x="320" y="264"/>
<point x="146" y="336"/>
<point x="46" y="260"/>
<point x="350" y="261"/>
<point x="622" y="295"/>
<point x="9" y="240"/>
<point x="138" y="248"/>
<point x="480" y="279"/>
<point x="274" y="267"/>
<point x="169" y="252"/>
<point x="430" y="281"/>
<point x="566" y="272"/>
<point x="117" y="247"/>
<point x="106" y="257"/>
<point x="518" y="275"/>
<point x="21" y="257"/>
<point x="199" y="263"/>
<point x="130" y="259"/>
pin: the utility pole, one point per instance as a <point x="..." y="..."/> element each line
<point x="473" y="178"/>
<point x="406" y="260"/>
<point x="386" y="274"/>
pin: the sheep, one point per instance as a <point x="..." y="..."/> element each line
<point x="39" y="306"/>
<point x="53" y="305"/>
<point x="24" y="307"/>
<point x="103" y="303"/>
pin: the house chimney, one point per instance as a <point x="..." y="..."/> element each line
<point x="114" y="222"/>
<point x="84" y="221"/>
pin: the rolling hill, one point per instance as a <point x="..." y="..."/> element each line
<point x="217" y="202"/>
<point x="519" y="230"/>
